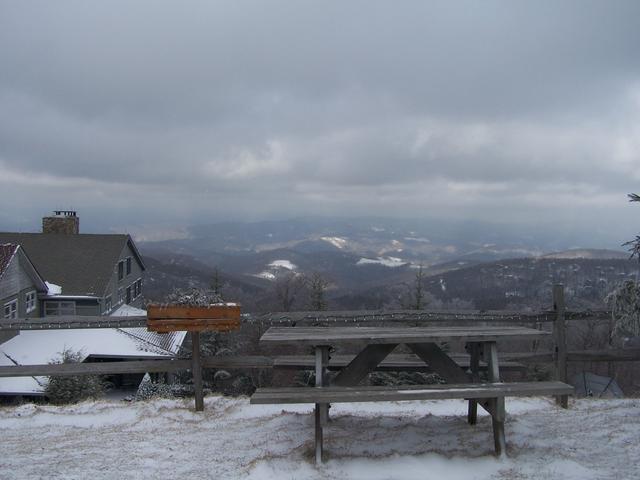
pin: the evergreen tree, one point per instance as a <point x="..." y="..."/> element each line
<point x="72" y="388"/>
<point x="215" y="282"/>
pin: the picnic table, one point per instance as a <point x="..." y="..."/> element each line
<point x="376" y="343"/>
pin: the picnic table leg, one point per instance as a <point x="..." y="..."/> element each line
<point x="318" y="436"/>
<point x="321" y="409"/>
<point x="322" y="362"/>
<point x="474" y="366"/>
<point x="498" y="415"/>
<point x="196" y="371"/>
<point x="363" y="364"/>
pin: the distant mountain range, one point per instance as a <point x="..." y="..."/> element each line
<point x="354" y="256"/>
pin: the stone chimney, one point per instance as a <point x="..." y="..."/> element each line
<point x="63" y="221"/>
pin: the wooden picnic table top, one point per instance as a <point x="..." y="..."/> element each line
<point x="389" y="335"/>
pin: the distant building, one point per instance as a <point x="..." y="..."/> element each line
<point x="88" y="274"/>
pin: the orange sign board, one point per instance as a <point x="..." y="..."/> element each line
<point x="212" y="318"/>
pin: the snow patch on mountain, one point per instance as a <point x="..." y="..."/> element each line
<point x="391" y="262"/>
<point x="591" y="253"/>
<point x="418" y="239"/>
<point x="337" y="242"/>
<point x="266" y="275"/>
<point x="283" y="264"/>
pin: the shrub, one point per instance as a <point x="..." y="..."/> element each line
<point x="73" y="388"/>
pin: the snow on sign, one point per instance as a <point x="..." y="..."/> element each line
<point x="221" y="317"/>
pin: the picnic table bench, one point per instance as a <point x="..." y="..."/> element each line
<point x="377" y="343"/>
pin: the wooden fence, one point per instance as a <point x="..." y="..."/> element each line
<point x="558" y="317"/>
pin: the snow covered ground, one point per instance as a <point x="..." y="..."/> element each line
<point x="164" y="439"/>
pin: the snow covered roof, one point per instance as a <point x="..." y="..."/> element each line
<point x="36" y="347"/>
<point x="7" y="251"/>
<point x="125" y="310"/>
<point x="53" y="289"/>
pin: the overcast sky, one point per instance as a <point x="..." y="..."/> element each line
<point x="145" y="113"/>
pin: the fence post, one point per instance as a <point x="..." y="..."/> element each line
<point x="560" y="340"/>
<point x="196" y="370"/>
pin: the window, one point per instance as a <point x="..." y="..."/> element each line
<point x="54" y="309"/>
<point x="120" y="295"/>
<point x="137" y="288"/>
<point x="11" y="309"/>
<point x="107" y="304"/>
<point x="128" y="265"/>
<point x="30" y="301"/>
<point x="120" y="270"/>
<point x="128" y="294"/>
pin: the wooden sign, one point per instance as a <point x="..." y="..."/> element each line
<point x="213" y="318"/>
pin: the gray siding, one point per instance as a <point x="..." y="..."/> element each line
<point x="127" y="281"/>
<point x="15" y="284"/>
<point x="89" y="308"/>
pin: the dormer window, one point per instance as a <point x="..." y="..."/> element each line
<point x="120" y="270"/>
<point x="128" y="265"/>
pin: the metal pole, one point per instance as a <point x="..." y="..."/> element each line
<point x="560" y="337"/>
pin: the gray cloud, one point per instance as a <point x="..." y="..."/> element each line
<point x="138" y="112"/>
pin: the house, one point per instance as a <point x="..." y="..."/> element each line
<point x="20" y="285"/>
<point x="63" y="272"/>
<point x="89" y="274"/>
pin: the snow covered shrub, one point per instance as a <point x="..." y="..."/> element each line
<point x="149" y="389"/>
<point x="195" y="297"/>
<point x="73" y="388"/>
<point x="625" y="300"/>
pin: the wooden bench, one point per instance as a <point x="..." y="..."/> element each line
<point x="488" y="395"/>
<point x="392" y="363"/>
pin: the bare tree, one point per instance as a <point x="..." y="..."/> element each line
<point x="317" y="287"/>
<point x="287" y="288"/>
<point x="418" y="290"/>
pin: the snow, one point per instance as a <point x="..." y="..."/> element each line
<point x="53" y="289"/>
<point x="391" y="262"/>
<point x="418" y="239"/>
<point x="266" y="275"/>
<point x="594" y="439"/>
<point x="125" y="310"/>
<point x="37" y="347"/>
<point x="283" y="264"/>
<point x="337" y="242"/>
